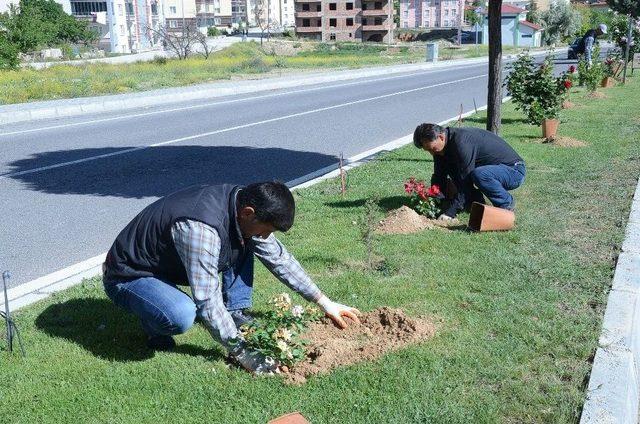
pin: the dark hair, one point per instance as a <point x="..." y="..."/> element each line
<point x="426" y="133"/>
<point x="272" y="201"/>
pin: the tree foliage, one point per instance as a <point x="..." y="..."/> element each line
<point x="626" y="7"/>
<point x="561" y="22"/>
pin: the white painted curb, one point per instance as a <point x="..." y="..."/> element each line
<point x="116" y="103"/>
<point x="613" y="393"/>
<point x="40" y="288"/>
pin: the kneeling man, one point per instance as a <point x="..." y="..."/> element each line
<point x="478" y="161"/>
<point x="187" y="238"/>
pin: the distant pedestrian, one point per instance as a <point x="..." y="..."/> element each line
<point x="477" y="161"/>
<point x="585" y="46"/>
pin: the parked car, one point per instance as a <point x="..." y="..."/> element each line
<point x="467" y="37"/>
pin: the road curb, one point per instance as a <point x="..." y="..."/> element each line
<point x="24" y="112"/>
<point x="614" y="386"/>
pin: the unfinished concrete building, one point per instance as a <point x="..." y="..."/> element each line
<point x="344" y="20"/>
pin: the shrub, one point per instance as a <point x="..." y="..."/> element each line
<point x="213" y="32"/>
<point x="277" y="334"/>
<point x="425" y="201"/>
<point x="159" y="60"/>
<point x="8" y="54"/>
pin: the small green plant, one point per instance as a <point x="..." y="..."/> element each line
<point x="213" y="31"/>
<point x="277" y="334"/>
<point x="159" y="60"/>
<point x="368" y="228"/>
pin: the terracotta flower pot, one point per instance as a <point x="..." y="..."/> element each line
<point x="608" y="82"/>
<point x="292" y="418"/>
<point x="490" y="218"/>
<point x="550" y="128"/>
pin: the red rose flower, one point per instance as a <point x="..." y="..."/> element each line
<point x="572" y="69"/>
<point x="433" y="191"/>
<point x="568" y="84"/>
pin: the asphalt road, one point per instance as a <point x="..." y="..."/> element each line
<point x="68" y="186"/>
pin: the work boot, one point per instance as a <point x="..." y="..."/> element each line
<point x="241" y="317"/>
<point x="161" y="343"/>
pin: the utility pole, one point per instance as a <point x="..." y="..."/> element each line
<point x="460" y="19"/>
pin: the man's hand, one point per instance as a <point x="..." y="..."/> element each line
<point x="444" y="217"/>
<point x="336" y="311"/>
<point x="254" y="362"/>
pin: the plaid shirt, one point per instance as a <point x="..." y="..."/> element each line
<point x="198" y="246"/>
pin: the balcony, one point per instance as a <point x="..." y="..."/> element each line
<point x="307" y="30"/>
<point x="308" y="14"/>
<point x="371" y="27"/>
<point x="307" y="1"/>
<point x="376" y="12"/>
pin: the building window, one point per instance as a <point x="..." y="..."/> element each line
<point x="120" y="12"/>
<point x="306" y="22"/>
<point x="333" y="22"/>
<point x="378" y="21"/>
<point x="305" y="7"/>
<point x="349" y="21"/>
<point x="319" y="8"/>
<point x="349" y="6"/>
<point x="172" y="9"/>
<point x="527" y="35"/>
<point x="406" y="24"/>
<point x="332" y="37"/>
<point x="121" y="29"/>
<point x="154" y="8"/>
<point x="378" y="5"/>
<point x="333" y="6"/>
<point x="129" y="7"/>
<point x="364" y="6"/>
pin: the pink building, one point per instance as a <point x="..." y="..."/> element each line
<point x="430" y="13"/>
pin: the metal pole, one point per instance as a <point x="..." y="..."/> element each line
<point x="7" y="314"/>
<point x="628" y="49"/>
<point x="460" y="19"/>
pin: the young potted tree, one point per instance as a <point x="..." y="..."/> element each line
<point x="612" y="66"/>
<point x="538" y="93"/>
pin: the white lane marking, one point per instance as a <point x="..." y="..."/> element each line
<point x="210" y="133"/>
<point x="408" y="74"/>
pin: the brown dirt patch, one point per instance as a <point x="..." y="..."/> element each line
<point x="405" y="220"/>
<point x="597" y="95"/>
<point x="566" y="142"/>
<point x="568" y="104"/>
<point x="381" y="331"/>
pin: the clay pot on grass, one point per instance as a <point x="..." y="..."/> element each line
<point x="490" y="218"/>
<point x="608" y="82"/>
<point x="550" y="128"/>
<point x="293" y="418"/>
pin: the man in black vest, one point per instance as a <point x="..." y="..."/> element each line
<point x="187" y="238"/>
<point x="478" y="161"/>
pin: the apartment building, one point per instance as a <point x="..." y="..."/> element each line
<point x="280" y="13"/>
<point x="351" y="20"/>
<point x="430" y="13"/>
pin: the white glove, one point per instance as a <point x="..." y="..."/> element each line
<point x="254" y="362"/>
<point x="336" y="311"/>
<point x="444" y="217"/>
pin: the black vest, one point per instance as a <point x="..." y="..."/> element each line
<point x="145" y="247"/>
<point x="582" y="44"/>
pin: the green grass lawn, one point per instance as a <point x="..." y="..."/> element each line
<point x="242" y="60"/>
<point x="518" y="312"/>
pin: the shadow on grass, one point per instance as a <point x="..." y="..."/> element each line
<point x="483" y="120"/>
<point x="386" y="203"/>
<point x="105" y="330"/>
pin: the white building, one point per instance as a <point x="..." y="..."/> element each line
<point x="516" y="30"/>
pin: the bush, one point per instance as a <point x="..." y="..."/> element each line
<point x="159" y="60"/>
<point x="213" y="32"/>
<point x="536" y="91"/>
<point x="8" y="54"/>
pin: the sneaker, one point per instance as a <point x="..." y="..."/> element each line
<point x="161" y="343"/>
<point x="241" y="317"/>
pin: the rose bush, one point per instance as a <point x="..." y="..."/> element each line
<point x="425" y="201"/>
<point x="277" y="334"/>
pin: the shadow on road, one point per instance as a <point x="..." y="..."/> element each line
<point x="158" y="171"/>
<point x="105" y="330"/>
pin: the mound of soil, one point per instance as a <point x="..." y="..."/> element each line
<point x="381" y="331"/>
<point x="597" y="95"/>
<point x="405" y="220"/>
<point x="568" y="104"/>
<point x="566" y="142"/>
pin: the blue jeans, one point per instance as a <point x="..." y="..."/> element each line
<point x="165" y="310"/>
<point x="494" y="181"/>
